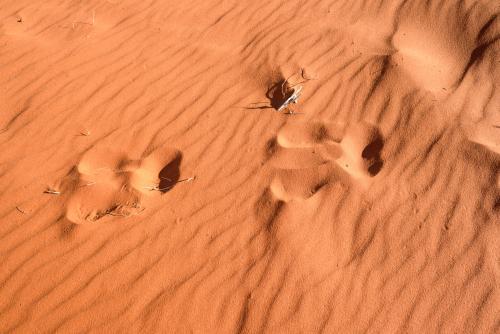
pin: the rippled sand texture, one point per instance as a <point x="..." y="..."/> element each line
<point x="145" y="185"/>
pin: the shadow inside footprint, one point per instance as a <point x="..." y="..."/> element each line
<point x="170" y="174"/>
<point x="371" y="153"/>
<point x="278" y="93"/>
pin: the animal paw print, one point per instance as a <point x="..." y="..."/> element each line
<point x="309" y="155"/>
<point x="107" y="183"/>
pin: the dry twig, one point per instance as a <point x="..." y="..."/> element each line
<point x="157" y="187"/>
<point x="52" y="191"/>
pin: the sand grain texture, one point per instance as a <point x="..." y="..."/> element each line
<point x="179" y="202"/>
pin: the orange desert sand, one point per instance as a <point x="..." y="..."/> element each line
<point x="149" y="184"/>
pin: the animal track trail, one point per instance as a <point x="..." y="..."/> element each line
<point x="317" y="166"/>
<point x="310" y="155"/>
<point x="107" y="183"/>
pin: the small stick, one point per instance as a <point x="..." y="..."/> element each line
<point x="128" y="214"/>
<point x="255" y="106"/>
<point x="52" y="192"/>
<point x="19" y="209"/>
<point x="292" y="99"/>
<point x="88" y="184"/>
<point x="189" y="179"/>
<point x="152" y="188"/>
<point x="118" y="214"/>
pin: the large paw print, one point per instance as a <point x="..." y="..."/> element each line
<point x="106" y="183"/>
<point x="310" y="155"/>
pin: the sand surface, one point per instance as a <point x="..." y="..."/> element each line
<point x="148" y="183"/>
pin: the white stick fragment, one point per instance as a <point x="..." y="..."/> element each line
<point x="88" y="184"/>
<point x="151" y="188"/>
<point x="157" y="187"/>
<point x="294" y="98"/>
<point x="189" y="179"/>
<point x="51" y="191"/>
